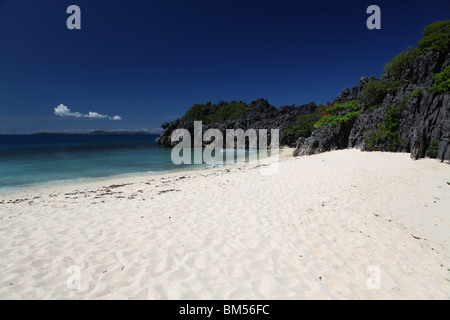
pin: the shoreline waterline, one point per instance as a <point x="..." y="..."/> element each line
<point x="40" y="160"/>
<point x="284" y="153"/>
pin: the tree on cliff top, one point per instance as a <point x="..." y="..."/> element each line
<point x="436" y="37"/>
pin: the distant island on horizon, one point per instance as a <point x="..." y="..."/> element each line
<point x="93" y="133"/>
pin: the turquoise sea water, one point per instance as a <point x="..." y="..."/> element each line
<point x="40" y="159"/>
<point x="27" y="160"/>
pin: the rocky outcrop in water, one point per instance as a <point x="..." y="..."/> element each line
<point x="260" y="115"/>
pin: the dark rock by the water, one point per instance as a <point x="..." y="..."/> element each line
<point x="426" y="118"/>
<point x="260" y="115"/>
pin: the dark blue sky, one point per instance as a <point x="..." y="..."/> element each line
<point x="149" y="61"/>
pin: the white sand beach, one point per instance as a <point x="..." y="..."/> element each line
<point x="317" y="229"/>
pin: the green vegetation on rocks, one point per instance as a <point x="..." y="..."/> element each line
<point x="442" y="81"/>
<point x="303" y="127"/>
<point x="436" y="38"/>
<point x="374" y="92"/>
<point x="344" y="106"/>
<point x="401" y="62"/>
<point x="417" y="93"/>
<point x="209" y="113"/>
<point x="432" y="150"/>
<point x="336" y="120"/>
<point x="388" y="130"/>
<point x="331" y="119"/>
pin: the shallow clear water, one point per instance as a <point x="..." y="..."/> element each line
<point x="41" y="159"/>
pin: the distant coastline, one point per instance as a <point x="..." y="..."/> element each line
<point x="101" y="133"/>
<point x="93" y="133"/>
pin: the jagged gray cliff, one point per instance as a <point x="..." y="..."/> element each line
<point x="260" y="115"/>
<point x="425" y="117"/>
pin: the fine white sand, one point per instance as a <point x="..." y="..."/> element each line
<point x="320" y="228"/>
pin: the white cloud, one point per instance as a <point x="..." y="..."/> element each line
<point x="63" y="111"/>
<point x="96" y="115"/>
